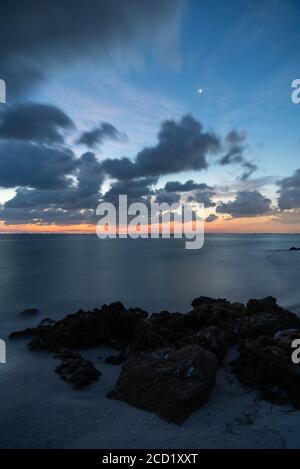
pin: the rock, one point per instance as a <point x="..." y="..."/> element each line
<point x="169" y="382"/>
<point x="116" y="359"/>
<point x="265" y="317"/>
<point x="30" y="312"/>
<point x="111" y="323"/>
<point x="75" y="369"/>
<point x="267" y="304"/>
<point x="218" y="313"/>
<point x="294" y="249"/>
<point x="171" y="327"/>
<point x="211" y="338"/>
<point x="146" y="337"/>
<point x="43" y="327"/>
<point x="265" y="364"/>
<point x="285" y="338"/>
<point x="47" y="322"/>
<point x="206" y="300"/>
<point x="160" y="318"/>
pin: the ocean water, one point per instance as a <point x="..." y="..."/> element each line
<point x="60" y="274"/>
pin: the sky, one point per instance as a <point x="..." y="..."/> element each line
<point x="168" y="100"/>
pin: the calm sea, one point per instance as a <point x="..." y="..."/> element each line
<point x="61" y="273"/>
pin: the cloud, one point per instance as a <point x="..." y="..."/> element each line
<point x="211" y="218"/>
<point x="182" y="145"/>
<point x="167" y="197"/>
<point x="235" y="143"/>
<point x="134" y="189"/>
<point x="17" y="216"/>
<point x="290" y="217"/>
<point x="246" y="204"/>
<point x="34" y="122"/>
<point x="249" y="170"/>
<point x="95" y="137"/>
<point x="200" y="192"/>
<point x="37" y="166"/>
<point x="188" y="186"/>
<point x="203" y="197"/>
<point x="36" y="36"/>
<point x="82" y="195"/>
<point x="289" y="192"/>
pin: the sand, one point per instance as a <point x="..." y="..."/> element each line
<point x="38" y="410"/>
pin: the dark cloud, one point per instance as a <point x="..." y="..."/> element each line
<point x="211" y="218"/>
<point x="182" y="145"/>
<point x="17" y="216"/>
<point x="134" y="189"/>
<point x="236" y="147"/>
<point x="246" y="204"/>
<point x="201" y="192"/>
<point x="36" y="36"/>
<point x="188" y="186"/>
<point x="84" y="194"/>
<point x="170" y="198"/>
<point x="289" y="192"/>
<point x="202" y="197"/>
<point x="29" y="165"/>
<point x="235" y="141"/>
<point x="288" y="217"/>
<point x="249" y="170"/>
<point x="95" y="137"/>
<point x="34" y="122"/>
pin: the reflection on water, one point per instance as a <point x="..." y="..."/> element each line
<point x="60" y="273"/>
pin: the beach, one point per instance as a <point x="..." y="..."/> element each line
<point x="40" y="410"/>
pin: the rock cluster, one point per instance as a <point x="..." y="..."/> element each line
<point x="171" y="359"/>
<point x="265" y="364"/>
<point x="170" y="382"/>
<point x="76" y="370"/>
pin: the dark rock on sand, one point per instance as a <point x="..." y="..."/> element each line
<point x="171" y="358"/>
<point x="146" y="337"/>
<point x="211" y="338"/>
<point x="265" y="317"/>
<point x="84" y="329"/>
<point x="47" y="322"/>
<point x="218" y="313"/>
<point x="75" y="369"/>
<point x="265" y="364"/>
<point x="169" y="382"/>
<point x="171" y="327"/>
<point x="43" y="327"/>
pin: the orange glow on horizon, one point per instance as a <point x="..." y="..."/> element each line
<point x="239" y="225"/>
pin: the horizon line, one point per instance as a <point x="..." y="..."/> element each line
<point x="95" y="234"/>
